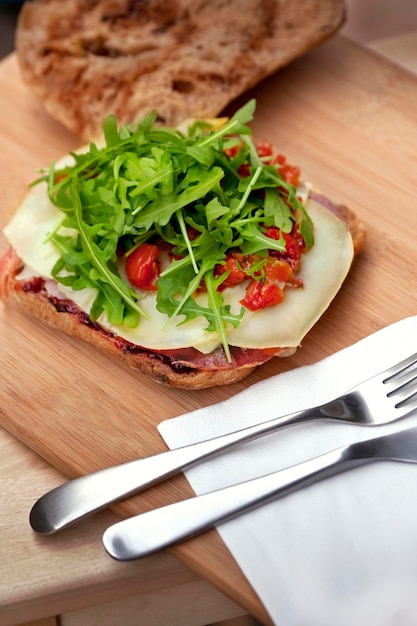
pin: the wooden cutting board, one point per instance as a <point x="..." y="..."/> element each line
<point x="349" y="119"/>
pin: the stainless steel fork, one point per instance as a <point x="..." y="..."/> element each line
<point x="383" y="398"/>
<point x="160" y="528"/>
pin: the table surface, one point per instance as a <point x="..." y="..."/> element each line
<point x="348" y="118"/>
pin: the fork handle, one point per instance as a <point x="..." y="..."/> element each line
<point x="149" y="532"/>
<point x="87" y="494"/>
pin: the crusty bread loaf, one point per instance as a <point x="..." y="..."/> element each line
<point x="185" y="368"/>
<point x="185" y="58"/>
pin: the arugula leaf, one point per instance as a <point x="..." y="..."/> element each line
<point x="236" y="125"/>
<point x="306" y="225"/>
<point x="278" y="210"/>
<point x="204" y="155"/>
<point x="150" y="182"/>
<point x="256" y="241"/>
<point x="110" y="130"/>
<point x="221" y="313"/>
<point x="113" y="294"/>
<point x="161" y="210"/>
<point x="214" y="209"/>
<point x="217" y="314"/>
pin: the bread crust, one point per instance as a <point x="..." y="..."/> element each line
<point x="86" y="59"/>
<point x="161" y="367"/>
<point x="354" y="224"/>
<point x="156" y="365"/>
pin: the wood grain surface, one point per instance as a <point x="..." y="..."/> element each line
<point x="349" y="119"/>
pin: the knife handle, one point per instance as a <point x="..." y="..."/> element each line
<point x="83" y="496"/>
<point x="149" y="532"/>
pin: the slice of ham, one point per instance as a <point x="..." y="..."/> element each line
<point x="180" y="359"/>
<point x="10" y="265"/>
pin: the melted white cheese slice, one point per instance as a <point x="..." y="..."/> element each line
<point x="324" y="268"/>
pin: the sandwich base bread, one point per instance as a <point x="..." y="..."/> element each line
<point x="86" y="59"/>
<point x="185" y="368"/>
<point x="193" y="255"/>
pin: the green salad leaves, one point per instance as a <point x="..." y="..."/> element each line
<point x="149" y="181"/>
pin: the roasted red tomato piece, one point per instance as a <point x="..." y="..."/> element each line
<point x="298" y="238"/>
<point x="143" y="267"/>
<point x="234" y="265"/>
<point x="293" y="246"/>
<point x="278" y="270"/>
<point x="264" y="149"/>
<point x="290" y="173"/>
<point x="272" y="232"/>
<point x="244" y="170"/>
<point x="292" y="251"/>
<point x="232" y="152"/>
<point x="261" y="294"/>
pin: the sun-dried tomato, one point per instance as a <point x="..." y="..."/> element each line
<point x="290" y="173"/>
<point x="261" y="294"/>
<point x="234" y="264"/>
<point x="143" y="267"/>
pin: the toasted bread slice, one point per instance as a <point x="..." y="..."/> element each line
<point x="183" y="368"/>
<point x="185" y="58"/>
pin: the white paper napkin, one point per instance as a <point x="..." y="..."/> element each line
<point x="342" y="552"/>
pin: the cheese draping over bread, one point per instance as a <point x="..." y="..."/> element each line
<point x="201" y="198"/>
<point x="324" y="268"/>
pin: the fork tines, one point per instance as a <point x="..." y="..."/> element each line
<point x="402" y="380"/>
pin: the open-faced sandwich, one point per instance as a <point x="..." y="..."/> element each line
<point x="86" y="59"/>
<point x="195" y="255"/>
